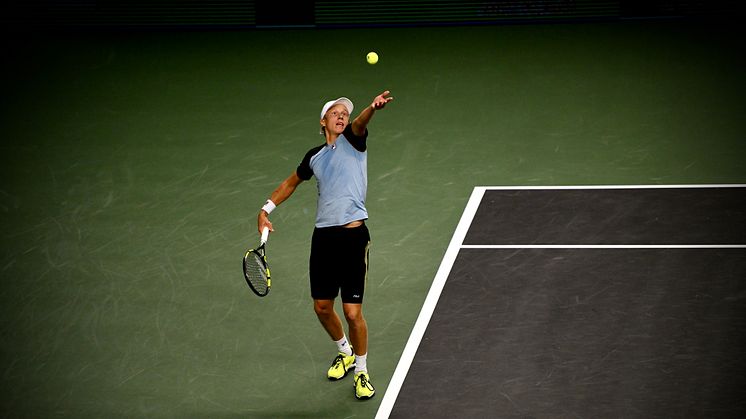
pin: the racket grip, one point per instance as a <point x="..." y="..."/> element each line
<point x="265" y="234"/>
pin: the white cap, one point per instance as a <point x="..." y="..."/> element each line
<point x="343" y="101"/>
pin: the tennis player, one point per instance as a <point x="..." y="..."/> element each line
<point x="339" y="245"/>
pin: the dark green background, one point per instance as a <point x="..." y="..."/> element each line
<point x="133" y="166"/>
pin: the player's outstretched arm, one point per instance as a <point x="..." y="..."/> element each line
<point x="361" y="122"/>
<point x="283" y="192"/>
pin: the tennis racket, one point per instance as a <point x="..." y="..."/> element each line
<point x="255" y="268"/>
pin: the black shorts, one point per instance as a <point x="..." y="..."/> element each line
<point x="339" y="261"/>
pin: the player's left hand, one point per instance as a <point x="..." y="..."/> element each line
<point x="381" y="100"/>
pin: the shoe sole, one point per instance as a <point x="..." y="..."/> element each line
<point x="365" y="397"/>
<point x="350" y="368"/>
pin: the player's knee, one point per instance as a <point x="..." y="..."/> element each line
<point x="353" y="313"/>
<point x="323" y="308"/>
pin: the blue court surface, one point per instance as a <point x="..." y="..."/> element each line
<point x="611" y="301"/>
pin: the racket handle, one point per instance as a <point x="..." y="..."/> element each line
<point x="265" y="234"/>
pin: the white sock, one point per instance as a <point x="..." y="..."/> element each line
<point x="344" y="346"/>
<point x="361" y="363"/>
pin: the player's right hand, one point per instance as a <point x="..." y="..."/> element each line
<point x="263" y="221"/>
<point x="381" y="100"/>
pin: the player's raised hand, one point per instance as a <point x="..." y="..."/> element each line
<point x="381" y="100"/>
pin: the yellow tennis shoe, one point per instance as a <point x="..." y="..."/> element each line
<point x="341" y="366"/>
<point x="363" y="388"/>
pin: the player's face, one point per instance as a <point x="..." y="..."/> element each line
<point x="336" y="119"/>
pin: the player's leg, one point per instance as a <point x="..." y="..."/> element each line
<point x="355" y="263"/>
<point x="359" y="336"/>
<point x="353" y="290"/>
<point x="324" y="290"/>
<point x="345" y="360"/>
<point x="328" y="317"/>
<point x="358" y="327"/>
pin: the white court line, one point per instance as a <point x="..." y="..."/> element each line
<point x="603" y="246"/>
<point x="418" y="331"/>
<point x="384" y="410"/>
<point x="710" y="186"/>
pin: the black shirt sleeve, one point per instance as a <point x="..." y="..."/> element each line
<point x="358" y="142"/>
<point x="304" y="170"/>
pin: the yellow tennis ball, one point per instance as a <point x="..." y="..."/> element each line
<point x="372" y="57"/>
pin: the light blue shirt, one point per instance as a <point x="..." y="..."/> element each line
<point x="341" y="172"/>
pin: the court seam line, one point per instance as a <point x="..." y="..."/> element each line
<point x="428" y="307"/>
<point x="582" y="187"/>
<point x="603" y="246"/>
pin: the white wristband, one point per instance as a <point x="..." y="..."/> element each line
<point x="269" y="207"/>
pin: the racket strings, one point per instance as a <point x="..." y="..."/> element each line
<point x="256" y="274"/>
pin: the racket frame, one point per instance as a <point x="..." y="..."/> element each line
<point x="261" y="256"/>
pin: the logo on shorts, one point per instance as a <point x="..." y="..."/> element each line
<point x="356" y="296"/>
